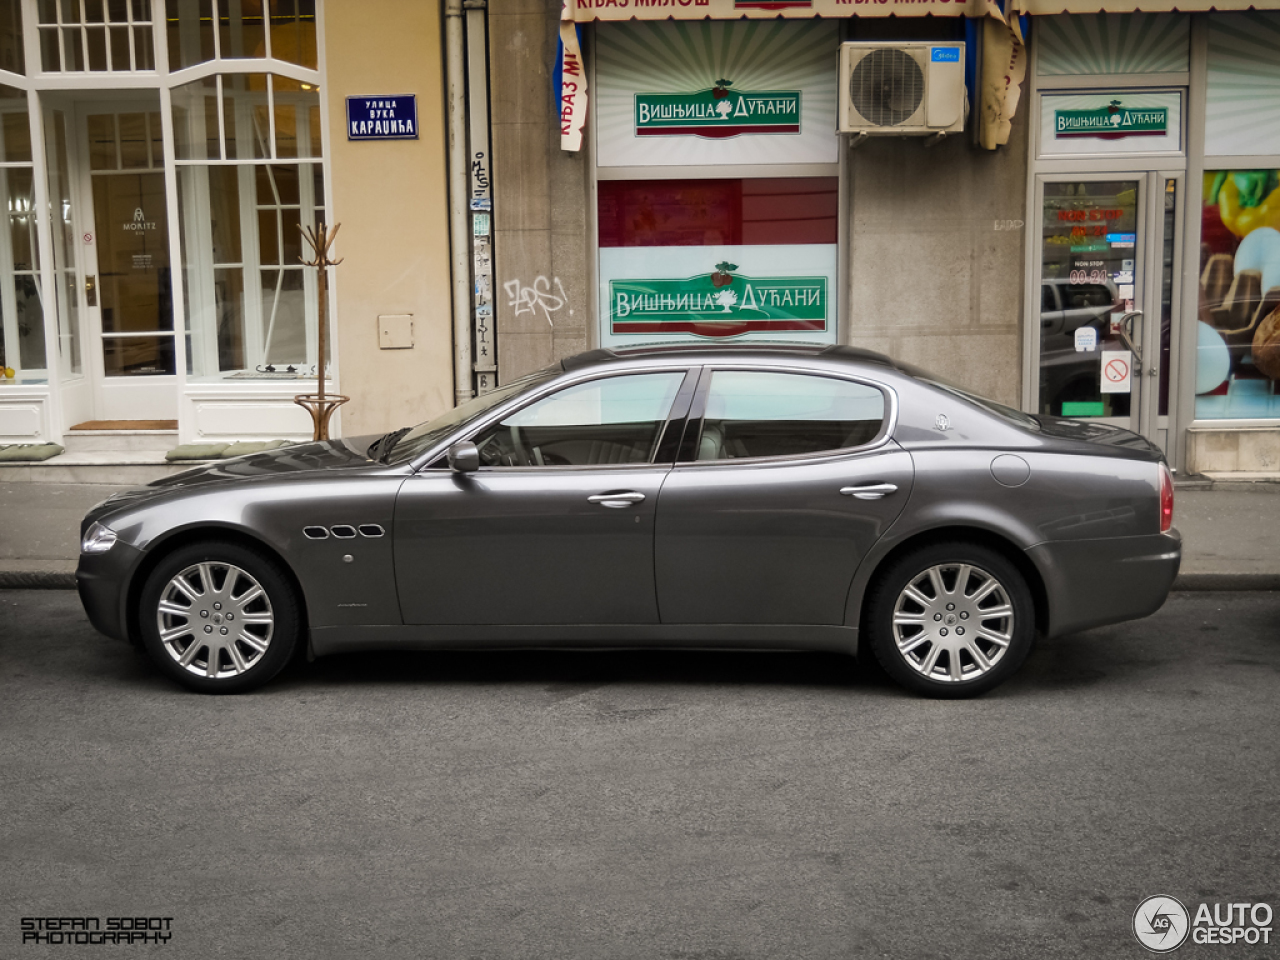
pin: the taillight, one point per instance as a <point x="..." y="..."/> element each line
<point x="1166" y="498"/>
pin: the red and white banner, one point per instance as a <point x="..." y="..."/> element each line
<point x="573" y="88"/>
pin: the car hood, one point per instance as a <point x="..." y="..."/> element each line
<point x="297" y="458"/>
<point x="279" y="462"/>
<point x="1090" y="431"/>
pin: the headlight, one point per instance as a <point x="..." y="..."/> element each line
<point x="97" y="539"/>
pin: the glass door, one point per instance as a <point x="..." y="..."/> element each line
<point x="1107" y="277"/>
<point x="127" y="282"/>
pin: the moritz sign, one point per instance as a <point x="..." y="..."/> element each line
<point x="1111" y="122"/>
<point x="717" y="113"/>
<point x="718" y="304"/>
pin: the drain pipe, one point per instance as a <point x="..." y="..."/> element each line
<point x="459" y="241"/>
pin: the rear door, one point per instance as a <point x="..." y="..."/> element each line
<point x="788" y="481"/>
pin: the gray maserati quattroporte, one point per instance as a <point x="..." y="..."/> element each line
<point x="782" y="498"/>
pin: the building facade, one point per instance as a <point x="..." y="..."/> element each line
<point x="1101" y="240"/>
<point x="158" y="160"/>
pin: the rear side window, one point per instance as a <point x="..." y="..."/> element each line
<point x="763" y="414"/>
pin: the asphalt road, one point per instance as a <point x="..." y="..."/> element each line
<point x="655" y="805"/>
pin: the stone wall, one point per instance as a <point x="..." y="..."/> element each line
<point x="933" y="280"/>
<point x="541" y="197"/>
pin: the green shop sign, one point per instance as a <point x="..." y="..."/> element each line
<point x="717" y="113"/>
<point x="718" y="304"/>
<point x="1111" y="122"/>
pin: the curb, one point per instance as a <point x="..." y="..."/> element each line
<point x="36" y="580"/>
<point x="1226" y="581"/>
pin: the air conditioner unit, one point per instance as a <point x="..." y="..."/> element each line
<point x="901" y="88"/>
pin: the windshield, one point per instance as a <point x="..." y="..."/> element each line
<point x="999" y="409"/>
<point x="425" y="435"/>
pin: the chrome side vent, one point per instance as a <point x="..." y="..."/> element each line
<point x="371" y="530"/>
<point x="343" y="531"/>
<point x="315" y="533"/>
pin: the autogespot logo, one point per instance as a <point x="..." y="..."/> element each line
<point x="1161" y="923"/>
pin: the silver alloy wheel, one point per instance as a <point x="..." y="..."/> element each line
<point x="953" y="622"/>
<point x="215" y="620"/>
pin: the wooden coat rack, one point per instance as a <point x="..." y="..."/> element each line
<point x="318" y="404"/>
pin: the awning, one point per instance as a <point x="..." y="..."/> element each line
<point x="1004" y="61"/>
<point x="1043" y="7"/>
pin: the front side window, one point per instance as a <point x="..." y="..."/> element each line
<point x="763" y="414"/>
<point x="617" y="420"/>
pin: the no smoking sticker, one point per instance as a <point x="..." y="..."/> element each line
<point x="1117" y="371"/>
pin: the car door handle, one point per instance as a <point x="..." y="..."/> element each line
<point x="872" y="491"/>
<point x="617" y="500"/>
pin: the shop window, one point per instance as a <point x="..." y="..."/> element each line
<point x="249" y="177"/>
<point x="669" y="213"/>
<point x="718" y="258"/>
<point x="204" y="30"/>
<point x="22" y="345"/>
<point x="250" y="116"/>
<point x="66" y="285"/>
<point x="95" y="36"/>
<point x="1238" y="341"/>
<point x="13" y="57"/>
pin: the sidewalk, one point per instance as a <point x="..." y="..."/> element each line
<point x="1230" y="531"/>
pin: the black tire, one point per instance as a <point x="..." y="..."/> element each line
<point x="958" y="641"/>
<point x="249" y="635"/>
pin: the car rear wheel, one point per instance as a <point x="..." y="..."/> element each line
<point x="219" y="617"/>
<point x="951" y="619"/>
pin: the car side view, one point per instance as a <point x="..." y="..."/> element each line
<point x="748" y="498"/>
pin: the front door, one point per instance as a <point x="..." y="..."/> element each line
<point x="1108" y="278"/>
<point x="127" y="282"/>
<point x="556" y="527"/>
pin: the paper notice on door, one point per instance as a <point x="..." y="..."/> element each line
<point x="1117" y="371"/>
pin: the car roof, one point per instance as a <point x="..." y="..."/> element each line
<point x="702" y="353"/>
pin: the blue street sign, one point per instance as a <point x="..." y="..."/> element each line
<point x="383" y="117"/>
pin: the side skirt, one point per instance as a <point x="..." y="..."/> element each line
<point x="343" y="639"/>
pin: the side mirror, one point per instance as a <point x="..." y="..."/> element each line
<point x="464" y="457"/>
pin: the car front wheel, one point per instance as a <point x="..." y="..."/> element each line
<point x="219" y="617"/>
<point x="951" y="619"/>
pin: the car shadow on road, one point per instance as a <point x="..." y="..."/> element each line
<point x="572" y="669"/>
